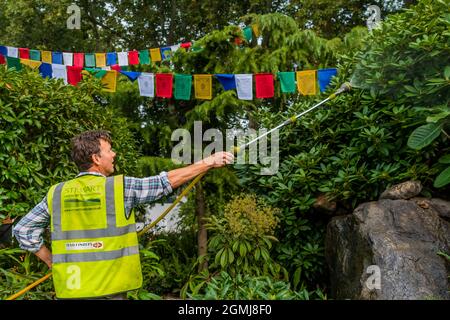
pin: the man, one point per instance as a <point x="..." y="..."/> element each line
<point x="94" y="241"/>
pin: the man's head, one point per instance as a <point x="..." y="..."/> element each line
<point x="91" y="151"/>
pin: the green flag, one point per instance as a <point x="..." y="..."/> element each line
<point x="98" y="73"/>
<point x="144" y="57"/>
<point x="14" y="63"/>
<point x="35" y="55"/>
<point x="183" y="84"/>
<point x="89" y="60"/>
<point x="287" y="81"/>
<point x="248" y="34"/>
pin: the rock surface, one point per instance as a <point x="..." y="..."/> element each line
<point x="388" y="249"/>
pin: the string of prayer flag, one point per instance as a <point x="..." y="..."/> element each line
<point x="244" y="86"/>
<point x="227" y="81"/>
<point x="183" y="84"/>
<point x="264" y="85"/>
<point x="306" y="82"/>
<point x="203" y="86"/>
<point x="146" y="83"/>
<point x="164" y="85"/>
<point x="324" y="76"/>
<point x="287" y="81"/>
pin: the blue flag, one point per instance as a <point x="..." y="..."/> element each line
<point x="324" y="76"/>
<point x="131" y="74"/>
<point x="166" y="53"/>
<point x="45" y="69"/>
<point x="3" y="50"/>
<point x="227" y="81"/>
<point x="111" y="58"/>
<point x="57" y="57"/>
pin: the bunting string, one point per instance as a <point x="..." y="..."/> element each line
<point x="72" y="66"/>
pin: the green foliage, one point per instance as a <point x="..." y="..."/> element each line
<point x="242" y="238"/>
<point x="38" y="117"/>
<point x="246" y="287"/>
<point x="357" y="146"/>
<point x="424" y="135"/>
<point x="150" y="166"/>
<point x="177" y="260"/>
<point x="19" y="269"/>
<point x="333" y="18"/>
<point x="416" y="70"/>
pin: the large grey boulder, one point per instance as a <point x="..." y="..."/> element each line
<point x="388" y="249"/>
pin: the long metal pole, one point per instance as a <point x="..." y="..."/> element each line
<point x="344" y="87"/>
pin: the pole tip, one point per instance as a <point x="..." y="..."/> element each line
<point x="346" y="86"/>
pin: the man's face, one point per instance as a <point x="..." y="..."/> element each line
<point x="106" y="158"/>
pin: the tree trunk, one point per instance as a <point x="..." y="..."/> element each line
<point x="202" y="237"/>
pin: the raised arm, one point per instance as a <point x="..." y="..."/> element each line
<point x="179" y="176"/>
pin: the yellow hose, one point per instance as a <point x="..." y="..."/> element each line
<point x="178" y="199"/>
<point x="31" y="286"/>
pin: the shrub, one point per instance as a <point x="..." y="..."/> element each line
<point x="243" y="237"/>
<point x="245" y="287"/>
<point x="355" y="147"/>
<point x="38" y="117"/>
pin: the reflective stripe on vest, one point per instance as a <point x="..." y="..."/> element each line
<point x="95" y="247"/>
<point x="95" y="256"/>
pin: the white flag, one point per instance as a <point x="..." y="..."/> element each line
<point x="244" y="86"/>
<point x="175" y="47"/>
<point x="68" y="58"/>
<point x="59" y="72"/>
<point x="107" y="68"/>
<point x="13" y="52"/>
<point x="123" y="58"/>
<point x="146" y="83"/>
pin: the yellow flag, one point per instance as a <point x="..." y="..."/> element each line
<point x="203" y="86"/>
<point x="307" y="82"/>
<point x="155" y="54"/>
<point x="46" y="56"/>
<point x="31" y="63"/>
<point x="110" y="81"/>
<point x="100" y="59"/>
<point x="255" y="28"/>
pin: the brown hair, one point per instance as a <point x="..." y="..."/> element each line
<point x="85" y="145"/>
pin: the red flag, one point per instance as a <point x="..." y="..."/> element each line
<point x="73" y="74"/>
<point x="2" y="59"/>
<point x="238" y="41"/>
<point x="116" y="67"/>
<point x="133" y="57"/>
<point x="164" y="85"/>
<point x="264" y="85"/>
<point x="78" y="60"/>
<point x="186" y="45"/>
<point x="24" y="53"/>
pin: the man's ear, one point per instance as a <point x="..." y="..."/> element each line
<point x="95" y="159"/>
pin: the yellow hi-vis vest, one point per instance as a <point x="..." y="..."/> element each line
<point x="94" y="246"/>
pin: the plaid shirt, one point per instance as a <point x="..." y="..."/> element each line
<point x="30" y="228"/>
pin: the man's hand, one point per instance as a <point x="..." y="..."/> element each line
<point x="45" y="255"/>
<point x="219" y="159"/>
<point x="179" y="176"/>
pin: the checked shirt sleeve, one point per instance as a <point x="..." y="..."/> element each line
<point x="144" y="190"/>
<point x="28" y="231"/>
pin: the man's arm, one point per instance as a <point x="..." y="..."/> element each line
<point x="45" y="255"/>
<point x="179" y="176"/>
<point x="145" y="190"/>
<point x="28" y="231"/>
